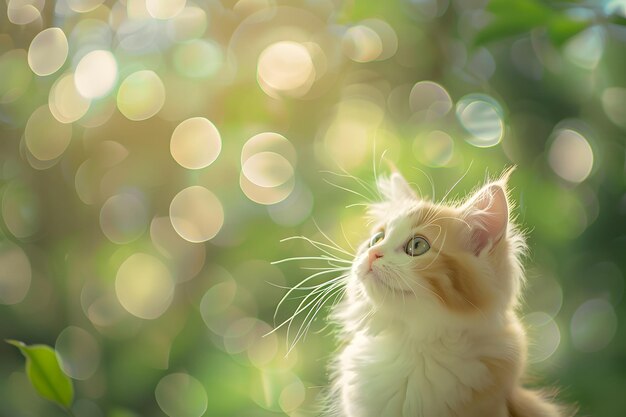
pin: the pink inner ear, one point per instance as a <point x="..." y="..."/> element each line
<point x="488" y="217"/>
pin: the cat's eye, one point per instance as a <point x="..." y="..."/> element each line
<point x="417" y="246"/>
<point x="376" y="238"/>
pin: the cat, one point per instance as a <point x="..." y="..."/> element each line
<point x="428" y="320"/>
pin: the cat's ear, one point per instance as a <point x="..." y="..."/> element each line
<point x="487" y="214"/>
<point x="395" y="188"/>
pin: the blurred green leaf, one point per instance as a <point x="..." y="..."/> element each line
<point x="618" y="20"/>
<point x="561" y="28"/>
<point x="520" y="16"/>
<point x="501" y="28"/>
<point x="44" y="372"/>
<point x="528" y="9"/>
<point x="512" y="17"/>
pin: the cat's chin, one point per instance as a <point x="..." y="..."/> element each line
<point x="376" y="286"/>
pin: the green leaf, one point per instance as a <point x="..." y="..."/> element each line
<point x="44" y="372"/>
<point x="617" y="20"/>
<point x="501" y="28"/>
<point x="528" y="9"/>
<point x="513" y="17"/>
<point x="562" y="28"/>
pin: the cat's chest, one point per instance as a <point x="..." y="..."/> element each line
<point x="387" y="378"/>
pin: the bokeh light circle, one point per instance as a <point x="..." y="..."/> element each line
<point x="545" y="335"/>
<point x="593" y="325"/>
<point x="65" y="102"/>
<point x="481" y="116"/>
<point x="123" y="218"/>
<point x="83" y="6"/>
<point x="285" y="67"/>
<point x="292" y="396"/>
<point x="23" y="12"/>
<point x="21" y="210"/>
<point x="265" y="195"/>
<point x="429" y="100"/>
<point x="15" y="273"/>
<point x="614" y="105"/>
<point x="185" y="258"/>
<point x="181" y="395"/>
<point x="362" y="44"/>
<point x="196" y="143"/>
<point x="267" y="169"/>
<point x="571" y="156"/>
<point x="165" y="9"/>
<point x="141" y="95"/>
<point x="268" y="142"/>
<point x="190" y="23"/>
<point x="144" y="286"/>
<point x="46" y="138"/>
<point x="196" y="214"/>
<point x="48" y="51"/>
<point x="96" y="74"/>
<point x="295" y="208"/>
<point x="198" y="58"/>
<point x="78" y="351"/>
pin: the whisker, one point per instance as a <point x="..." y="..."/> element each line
<point x="300" y="288"/>
<point x="319" y="245"/>
<point x="343" y="232"/>
<point x="458" y="181"/>
<point x="306" y="324"/>
<point x="331" y="241"/>
<point x="315" y="293"/>
<point x="430" y="180"/>
<point x="366" y="186"/>
<point x="300" y="284"/>
<point x="310" y="258"/>
<point x="323" y="268"/>
<point x="348" y="190"/>
<point x="357" y="205"/>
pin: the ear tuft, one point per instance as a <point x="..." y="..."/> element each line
<point x="487" y="213"/>
<point x="395" y="188"/>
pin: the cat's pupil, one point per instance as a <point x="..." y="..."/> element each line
<point x="377" y="238"/>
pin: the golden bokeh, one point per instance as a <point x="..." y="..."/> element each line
<point x="66" y="104"/>
<point x="195" y="143"/>
<point x="15" y="273"/>
<point x="141" y="95"/>
<point x="567" y="146"/>
<point x="46" y="137"/>
<point x="181" y="395"/>
<point x="196" y="214"/>
<point x="48" y="51"/>
<point x="285" y="68"/>
<point x="144" y="286"/>
<point x="96" y="74"/>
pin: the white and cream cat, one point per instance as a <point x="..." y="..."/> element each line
<point x="429" y="320"/>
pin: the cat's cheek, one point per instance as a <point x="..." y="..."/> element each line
<point x="360" y="267"/>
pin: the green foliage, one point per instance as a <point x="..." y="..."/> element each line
<point x="45" y="374"/>
<point x="515" y="17"/>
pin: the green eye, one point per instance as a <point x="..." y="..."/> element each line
<point x="377" y="238"/>
<point x="417" y="246"/>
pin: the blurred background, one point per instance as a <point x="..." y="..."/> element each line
<point x="154" y="153"/>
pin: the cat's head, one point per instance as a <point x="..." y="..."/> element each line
<point x="460" y="258"/>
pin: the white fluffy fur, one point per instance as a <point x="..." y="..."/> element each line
<point x="408" y="354"/>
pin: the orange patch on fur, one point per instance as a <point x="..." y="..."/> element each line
<point x="457" y="287"/>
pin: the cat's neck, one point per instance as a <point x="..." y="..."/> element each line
<point x="422" y="323"/>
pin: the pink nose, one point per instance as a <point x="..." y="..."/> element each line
<point x="373" y="255"/>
